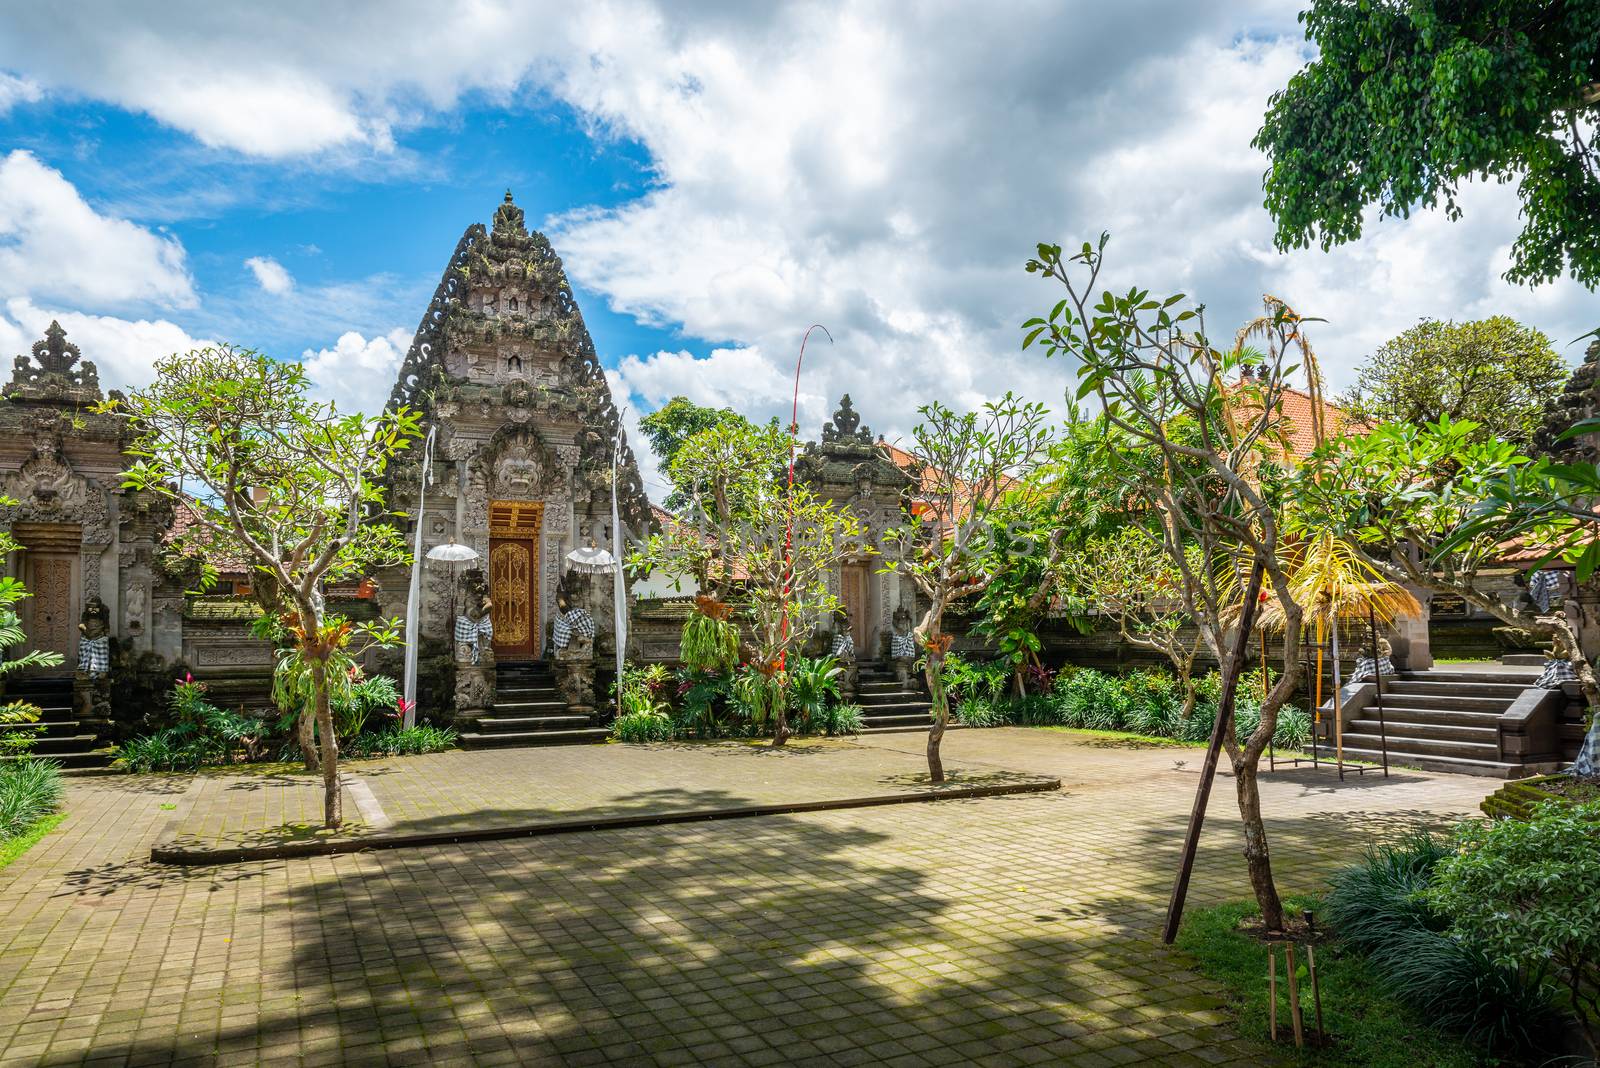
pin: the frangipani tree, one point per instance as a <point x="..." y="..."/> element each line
<point x="1195" y="440"/>
<point x="966" y="463"/>
<point x="768" y="547"/>
<point x="287" y="479"/>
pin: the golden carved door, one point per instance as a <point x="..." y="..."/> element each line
<point x="853" y="593"/>
<point x="514" y="577"/>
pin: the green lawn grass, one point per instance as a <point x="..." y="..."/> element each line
<point x="1370" y="1029"/>
<point x="14" y="847"/>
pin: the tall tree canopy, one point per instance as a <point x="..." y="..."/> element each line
<point x="1494" y="372"/>
<point x="1406" y="100"/>
<point x="670" y="427"/>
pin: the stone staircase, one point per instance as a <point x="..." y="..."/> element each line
<point x="1444" y="719"/>
<point x="888" y="707"/>
<point x="528" y="710"/>
<point x="65" y="740"/>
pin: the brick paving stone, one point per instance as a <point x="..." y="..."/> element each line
<point x="1019" y="930"/>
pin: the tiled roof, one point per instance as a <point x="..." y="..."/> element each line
<point x="228" y="560"/>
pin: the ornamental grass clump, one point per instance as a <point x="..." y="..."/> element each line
<point x="1386" y="908"/>
<point x="30" y="789"/>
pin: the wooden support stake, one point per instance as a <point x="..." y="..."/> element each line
<point x="1202" y="796"/>
<point x="1272" y="990"/>
<point x="1316" y="991"/>
<point x="1294" y="996"/>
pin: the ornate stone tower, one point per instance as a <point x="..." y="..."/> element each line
<point x="504" y="369"/>
<point x="854" y="471"/>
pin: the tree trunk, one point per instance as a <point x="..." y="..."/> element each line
<point x="780" y="718"/>
<point x="306" y="736"/>
<point x="941" y="714"/>
<point x="332" y="802"/>
<point x="1256" y="854"/>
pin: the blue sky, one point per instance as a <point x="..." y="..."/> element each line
<point x="715" y="176"/>
<point x="395" y="219"/>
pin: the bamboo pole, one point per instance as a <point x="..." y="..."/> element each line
<point x="1316" y="990"/>
<point x="1294" y="996"/>
<point x="1272" y="990"/>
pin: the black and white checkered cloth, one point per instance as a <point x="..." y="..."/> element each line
<point x="844" y="646"/>
<point x="472" y="632"/>
<point x="94" y="656"/>
<point x="1542" y="586"/>
<point x="903" y="646"/>
<point x="1366" y="669"/>
<point x="1556" y="673"/>
<point x="576" y="622"/>
<point x="1588" y="762"/>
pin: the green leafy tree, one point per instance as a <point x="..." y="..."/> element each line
<point x="966" y="462"/>
<point x="291" y="480"/>
<point x="1495" y="372"/>
<point x="1434" y="506"/>
<point x="670" y="426"/>
<point x="1193" y="440"/>
<point x="1405" y="101"/>
<point x="1527" y="892"/>
<point x="768" y="548"/>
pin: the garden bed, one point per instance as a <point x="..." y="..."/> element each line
<point x="1367" y="1028"/>
<point x="1516" y="800"/>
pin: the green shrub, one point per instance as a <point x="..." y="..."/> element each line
<point x="365" y="696"/>
<point x="400" y="741"/>
<point x="1525" y="894"/>
<point x="966" y="679"/>
<point x="19" y="727"/>
<point x="813" y="690"/>
<point x="642" y="727"/>
<point x="1036" y="710"/>
<point x="710" y="642"/>
<point x="841" y="719"/>
<point x="1294" y="728"/>
<point x="30" y="789"/>
<point x="1153" y="703"/>
<point x="981" y="712"/>
<point x="201" y="734"/>
<point x="702" y="710"/>
<point x="1095" y="700"/>
<point x="1381" y="907"/>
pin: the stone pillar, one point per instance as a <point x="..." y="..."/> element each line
<point x="574" y="671"/>
<point x="1411" y="635"/>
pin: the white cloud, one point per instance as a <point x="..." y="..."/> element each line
<point x="271" y="275"/>
<point x="124" y="351"/>
<point x="358" y="372"/>
<point x="881" y="168"/>
<point x="14" y="91"/>
<point x="53" y="245"/>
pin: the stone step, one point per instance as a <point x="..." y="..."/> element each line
<point x="501" y="724"/>
<point x="895" y="697"/>
<point x="1445" y="702"/>
<point x="529" y="708"/>
<point x="891" y="708"/>
<point x="1427" y="762"/>
<point x="510" y="739"/>
<point x="62" y="744"/>
<point x="1440" y="716"/>
<point x="1454" y="688"/>
<point x="58" y="728"/>
<point x="1516" y="676"/>
<point x="527" y="693"/>
<point x="1408" y="745"/>
<point x="1406" y="728"/>
<point x="952" y="726"/>
<point x="1535" y="660"/>
<point x="87" y="761"/>
<point x="906" y="719"/>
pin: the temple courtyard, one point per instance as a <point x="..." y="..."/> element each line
<point x="1012" y="929"/>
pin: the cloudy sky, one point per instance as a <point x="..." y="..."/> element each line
<point x="716" y="176"/>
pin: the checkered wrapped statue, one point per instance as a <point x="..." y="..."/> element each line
<point x="475" y="624"/>
<point x="94" y="639"/>
<point x="902" y="645"/>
